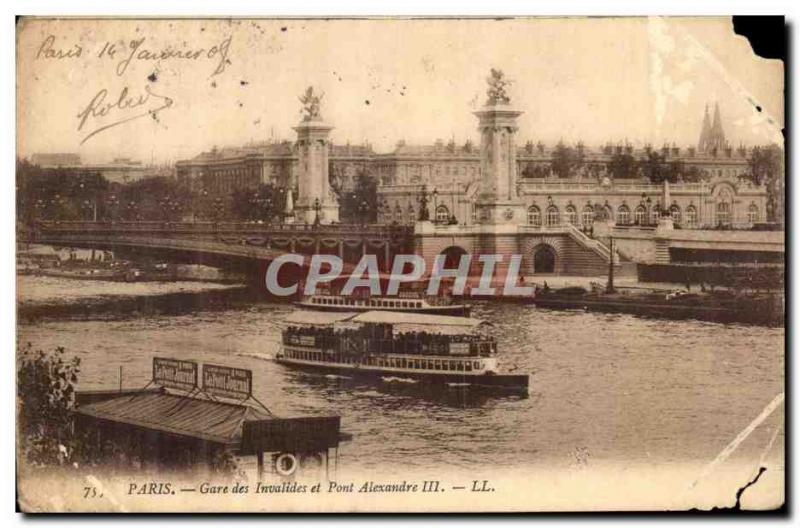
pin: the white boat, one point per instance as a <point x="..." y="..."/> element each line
<point x="401" y="303"/>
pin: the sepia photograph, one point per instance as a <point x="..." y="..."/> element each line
<point x="399" y="265"/>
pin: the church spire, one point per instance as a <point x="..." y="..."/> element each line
<point x="705" y="132"/>
<point x="712" y="136"/>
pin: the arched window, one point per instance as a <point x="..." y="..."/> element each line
<point x="691" y="216"/>
<point x="752" y="213"/>
<point x="675" y="213"/>
<point x="442" y="214"/>
<point x="572" y="215"/>
<point x="623" y="215"/>
<point x="655" y="212"/>
<point x="534" y="216"/>
<point x="474" y="214"/>
<point x="723" y="213"/>
<point x="639" y="215"/>
<point x="587" y="215"/>
<point x="553" y="218"/>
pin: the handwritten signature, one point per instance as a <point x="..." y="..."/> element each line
<point x="98" y="107"/>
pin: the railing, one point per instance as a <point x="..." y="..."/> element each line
<point x="587" y="242"/>
<point x="223" y="227"/>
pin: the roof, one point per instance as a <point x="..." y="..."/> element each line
<point x="307" y="317"/>
<point x="387" y="317"/>
<point x="213" y="421"/>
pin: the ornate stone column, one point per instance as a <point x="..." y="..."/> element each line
<point x="314" y="193"/>
<point x="498" y="201"/>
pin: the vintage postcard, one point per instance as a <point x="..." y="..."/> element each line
<point x="398" y="265"/>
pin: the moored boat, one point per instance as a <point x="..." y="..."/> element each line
<point x="441" y="350"/>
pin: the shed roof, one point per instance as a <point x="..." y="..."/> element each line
<point x="208" y="420"/>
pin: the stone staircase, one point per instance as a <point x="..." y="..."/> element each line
<point x="586" y="256"/>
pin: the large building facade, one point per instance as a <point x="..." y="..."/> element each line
<point x="712" y="186"/>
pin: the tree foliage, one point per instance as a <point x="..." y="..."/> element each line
<point x="45" y="399"/>
<point x="263" y="203"/>
<point x="566" y="160"/>
<point x="361" y="203"/>
<point x="622" y="165"/>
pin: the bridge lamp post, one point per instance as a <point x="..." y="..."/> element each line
<point x="131" y="210"/>
<point x="87" y="207"/>
<point x="268" y="209"/>
<point x="364" y="211"/>
<point x="39" y="207"/>
<point x="435" y="212"/>
<point x="317" y="208"/>
<point x="113" y="203"/>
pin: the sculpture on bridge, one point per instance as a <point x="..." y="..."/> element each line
<point x="497" y="88"/>
<point x="311" y="105"/>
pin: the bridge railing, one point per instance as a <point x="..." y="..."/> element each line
<point x="222" y="227"/>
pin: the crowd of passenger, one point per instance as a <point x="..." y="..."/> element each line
<point x="381" y="340"/>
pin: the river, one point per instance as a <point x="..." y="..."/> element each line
<point x="604" y="388"/>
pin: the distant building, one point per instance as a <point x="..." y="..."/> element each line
<point x="711" y="173"/>
<point x="120" y="170"/>
<point x="56" y="160"/>
<point x="222" y="171"/>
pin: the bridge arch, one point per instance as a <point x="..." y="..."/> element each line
<point x="453" y="256"/>
<point x="545" y="258"/>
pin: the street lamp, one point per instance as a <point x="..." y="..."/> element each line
<point x="362" y="209"/>
<point x="435" y="215"/>
<point x="113" y="203"/>
<point x="317" y="208"/>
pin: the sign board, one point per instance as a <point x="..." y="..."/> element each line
<point x="459" y="349"/>
<point x="290" y="435"/>
<point x="175" y="373"/>
<point x="309" y="341"/>
<point x="227" y="381"/>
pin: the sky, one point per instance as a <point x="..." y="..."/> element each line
<point x="576" y="79"/>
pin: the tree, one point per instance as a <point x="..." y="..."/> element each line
<point x="622" y="165"/>
<point x="656" y="168"/>
<point x="45" y="399"/>
<point x="566" y="160"/>
<point x="360" y="203"/>
<point x="262" y="203"/>
<point x="59" y="193"/>
<point x="765" y="164"/>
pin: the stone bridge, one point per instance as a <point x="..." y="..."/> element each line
<point x="239" y="246"/>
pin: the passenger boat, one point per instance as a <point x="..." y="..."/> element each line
<point x="441" y="350"/>
<point x="402" y="303"/>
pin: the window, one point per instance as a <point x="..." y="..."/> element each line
<point x="639" y="215"/>
<point x="723" y="213"/>
<point x="691" y="216"/>
<point x="752" y="213"/>
<point x="442" y="214"/>
<point x="412" y="218"/>
<point x="655" y="212"/>
<point x="474" y="214"/>
<point x="398" y="214"/>
<point x="553" y="216"/>
<point x="675" y="213"/>
<point x="572" y="215"/>
<point x="587" y="216"/>
<point x="534" y="216"/>
<point x="623" y="215"/>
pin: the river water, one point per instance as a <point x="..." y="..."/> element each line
<point x="604" y="388"/>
